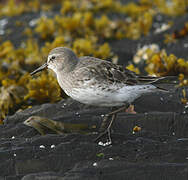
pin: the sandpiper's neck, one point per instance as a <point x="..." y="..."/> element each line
<point x="71" y="65"/>
<point x="68" y="66"/>
<point x="64" y="80"/>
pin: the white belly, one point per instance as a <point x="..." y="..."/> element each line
<point x="119" y="97"/>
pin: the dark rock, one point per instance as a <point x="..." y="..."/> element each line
<point x="108" y="169"/>
<point x="43" y="176"/>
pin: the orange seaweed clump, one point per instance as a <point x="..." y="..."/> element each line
<point x="84" y="47"/>
<point x="136" y="129"/>
<point x="14" y="7"/>
<point x="32" y="52"/>
<point x="103" y="26"/>
<point x="43" y="89"/>
<point x="10" y="55"/>
<point x="58" y="41"/>
<point x="28" y="32"/>
<point x="67" y="7"/>
<point x="5" y="49"/>
<point x="171" y="38"/>
<point x="103" y="51"/>
<point x="184" y="99"/>
<point x="88" y="19"/>
<point x="12" y="94"/>
<point x="10" y="97"/>
<point x="45" y="27"/>
<point x="161" y="64"/>
<point x="171" y="8"/>
<point x="131" y="67"/>
<point x="183" y="81"/>
<point x="134" y="28"/>
<point x="71" y="24"/>
<point x="134" y="10"/>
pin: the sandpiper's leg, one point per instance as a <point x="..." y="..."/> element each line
<point x="107" y="130"/>
<point x="109" y="127"/>
<point x="104" y="122"/>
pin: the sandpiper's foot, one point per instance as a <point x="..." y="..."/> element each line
<point x="130" y="110"/>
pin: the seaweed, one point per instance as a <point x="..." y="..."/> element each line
<point x="43" y="89"/>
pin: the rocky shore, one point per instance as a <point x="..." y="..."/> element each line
<point x="158" y="151"/>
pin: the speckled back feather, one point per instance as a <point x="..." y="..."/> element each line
<point x="108" y="72"/>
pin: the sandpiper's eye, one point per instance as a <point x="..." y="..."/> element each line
<point x="53" y="57"/>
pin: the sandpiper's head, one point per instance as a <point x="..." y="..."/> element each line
<point x="59" y="59"/>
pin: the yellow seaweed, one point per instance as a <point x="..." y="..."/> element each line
<point x="43" y="89"/>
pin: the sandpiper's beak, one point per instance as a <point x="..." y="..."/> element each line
<point x="44" y="66"/>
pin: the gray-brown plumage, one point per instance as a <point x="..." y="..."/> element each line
<point x="97" y="82"/>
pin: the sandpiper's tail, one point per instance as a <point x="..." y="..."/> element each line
<point x="158" y="80"/>
<point x="162" y="89"/>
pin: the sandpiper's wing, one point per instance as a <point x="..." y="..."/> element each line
<point x="106" y="71"/>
